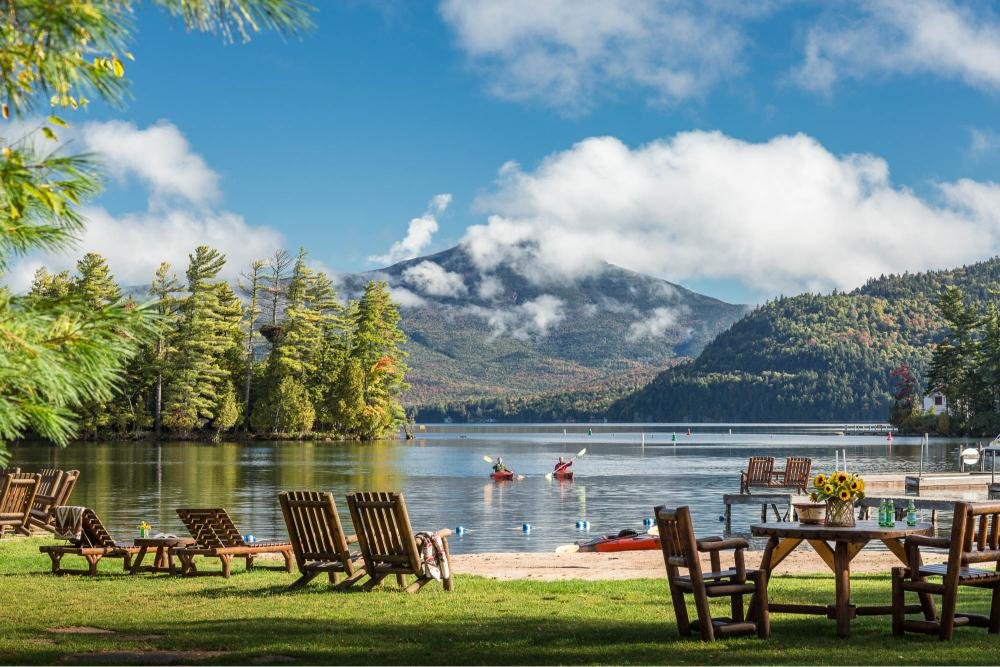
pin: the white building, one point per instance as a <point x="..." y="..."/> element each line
<point x="935" y="403"/>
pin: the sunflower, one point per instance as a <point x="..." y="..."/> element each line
<point x="841" y="477"/>
<point x="819" y="481"/>
<point x="828" y="489"/>
<point x="855" y="485"/>
<point x="845" y="494"/>
<point x="861" y="485"/>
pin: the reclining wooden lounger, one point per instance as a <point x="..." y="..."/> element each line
<point x="318" y="538"/>
<point x="16" y="496"/>
<point x="216" y="536"/>
<point x="386" y="540"/>
<point x="94" y="544"/>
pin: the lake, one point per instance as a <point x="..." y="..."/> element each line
<point x="445" y="478"/>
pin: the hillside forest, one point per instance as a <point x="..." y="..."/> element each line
<point x="283" y="357"/>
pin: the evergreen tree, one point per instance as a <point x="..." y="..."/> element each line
<point x="94" y="283"/>
<point x="163" y="289"/>
<point x="47" y="285"/>
<point x="251" y="284"/>
<point x="207" y="344"/>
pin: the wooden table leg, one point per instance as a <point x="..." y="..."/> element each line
<point x="137" y="563"/>
<point x="159" y="564"/>
<point x="842" y="573"/>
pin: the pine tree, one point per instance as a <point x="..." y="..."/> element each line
<point x="47" y="285"/>
<point x="164" y="287"/>
<point x="207" y="345"/>
<point x="94" y="282"/>
<point x="251" y="284"/>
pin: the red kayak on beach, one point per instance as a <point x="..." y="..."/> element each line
<point x="502" y="476"/>
<point x="626" y="540"/>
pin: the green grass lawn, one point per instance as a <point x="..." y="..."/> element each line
<point x="252" y="619"/>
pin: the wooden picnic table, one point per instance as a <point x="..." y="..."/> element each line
<point x="837" y="546"/>
<point x="163" y="561"/>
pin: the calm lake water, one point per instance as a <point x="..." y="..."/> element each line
<point x="445" y="479"/>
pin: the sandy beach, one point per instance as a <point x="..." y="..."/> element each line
<point x="643" y="564"/>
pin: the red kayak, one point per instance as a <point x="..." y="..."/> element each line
<point x="626" y="540"/>
<point x="503" y="476"/>
<point x="563" y="474"/>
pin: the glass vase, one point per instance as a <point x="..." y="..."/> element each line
<point x="839" y="513"/>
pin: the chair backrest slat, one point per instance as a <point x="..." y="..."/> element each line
<point x="677" y="539"/>
<point x="759" y="469"/>
<point x="974" y="535"/>
<point x="17" y="497"/>
<point x="69" y="480"/>
<point x="797" y="471"/>
<point x="212" y="528"/>
<point x="314" y="526"/>
<point x="383" y="528"/>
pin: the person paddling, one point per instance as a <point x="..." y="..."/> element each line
<point x="563" y="465"/>
<point x="499" y="466"/>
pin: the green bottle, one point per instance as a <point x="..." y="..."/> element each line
<point x="911" y="513"/>
<point x="881" y="512"/>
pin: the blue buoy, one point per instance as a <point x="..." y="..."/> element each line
<point x="722" y="517"/>
<point x="586" y="525"/>
<point x="526" y="527"/>
<point x="460" y="530"/>
<point x="647" y="522"/>
<point x="579" y="525"/>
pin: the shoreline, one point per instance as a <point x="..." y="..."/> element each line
<point x="623" y="565"/>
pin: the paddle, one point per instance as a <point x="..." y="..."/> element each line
<point x="580" y="453"/>
<point x="568" y="549"/>
<point x="489" y="459"/>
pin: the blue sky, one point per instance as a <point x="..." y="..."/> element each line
<point x="337" y="140"/>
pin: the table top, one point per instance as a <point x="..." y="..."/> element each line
<point x="162" y="541"/>
<point x="862" y="531"/>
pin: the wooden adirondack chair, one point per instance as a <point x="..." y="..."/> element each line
<point x="795" y="475"/>
<point x="216" y="536"/>
<point x="318" y="538"/>
<point x="682" y="550"/>
<point x="48" y="487"/>
<point x="758" y="473"/>
<point x="385" y="537"/>
<point x="16" y="497"/>
<point x="971" y="543"/>
<point x="94" y="544"/>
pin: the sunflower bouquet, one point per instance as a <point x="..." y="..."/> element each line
<point x="839" y="491"/>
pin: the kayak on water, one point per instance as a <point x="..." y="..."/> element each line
<point x="563" y="474"/>
<point x="626" y="540"/>
<point x="502" y="476"/>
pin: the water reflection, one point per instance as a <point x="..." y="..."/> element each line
<point x="446" y="481"/>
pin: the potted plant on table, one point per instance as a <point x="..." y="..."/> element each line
<point x="839" y="490"/>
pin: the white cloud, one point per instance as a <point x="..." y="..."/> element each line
<point x="180" y="187"/>
<point x="565" y="52"/>
<point x="405" y="298"/>
<point x="418" y="234"/>
<point x="434" y="280"/>
<point x="940" y="37"/>
<point x="654" y="325"/>
<point x="536" y="317"/>
<point x="490" y="287"/>
<point x="782" y="215"/>
<point x="158" y="155"/>
<point x="983" y="142"/>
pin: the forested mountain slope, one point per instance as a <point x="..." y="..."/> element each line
<point x="812" y="357"/>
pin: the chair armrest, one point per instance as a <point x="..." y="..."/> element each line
<point x="444" y="532"/>
<point x="923" y="541"/>
<point x="715" y="544"/>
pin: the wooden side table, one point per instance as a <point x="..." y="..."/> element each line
<point x="163" y="561"/>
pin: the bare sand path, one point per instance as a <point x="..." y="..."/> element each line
<point x="643" y="564"/>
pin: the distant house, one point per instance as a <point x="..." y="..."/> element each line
<point x="936" y="403"/>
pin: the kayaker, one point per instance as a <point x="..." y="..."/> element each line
<point x="563" y="465"/>
<point x="499" y="466"/>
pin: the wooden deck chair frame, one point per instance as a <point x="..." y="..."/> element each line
<point x="386" y="540"/>
<point x="95" y="543"/>
<point x="758" y="473"/>
<point x="795" y="475"/>
<point x="971" y="543"/>
<point x="45" y="500"/>
<point x="216" y="536"/>
<point x="682" y="550"/>
<point x="318" y="539"/>
<point x="17" y="494"/>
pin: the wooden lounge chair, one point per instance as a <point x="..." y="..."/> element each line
<point x="318" y="538"/>
<point x="49" y="487"/>
<point x="94" y="544"/>
<point x="758" y="473"/>
<point x="385" y="537"/>
<point x="972" y="543"/>
<point x="16" y="496"/>
<point x="794" y="476"/>
<point x="682" y="550"/>
<point x="216" y="536"/>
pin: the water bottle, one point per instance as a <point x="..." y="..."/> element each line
<point x="881" y="512"/>
<point x="911" y="513"/>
